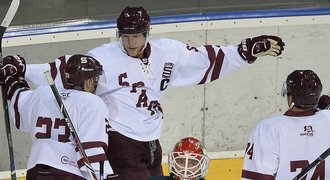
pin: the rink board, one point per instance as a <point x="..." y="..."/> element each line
<point x="228" y="169"/>
<point x="221" y="114"/>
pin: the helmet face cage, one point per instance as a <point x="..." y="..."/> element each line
<point x="188" y="160"/>
<point x="304" y="86"/>
<point x="188" y="165"/>
<point x="80" y="68"/>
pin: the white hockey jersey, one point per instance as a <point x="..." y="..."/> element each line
<point x="280" y="147"/>
<point x="132" y="88"/>
<point x="37" y="112"/>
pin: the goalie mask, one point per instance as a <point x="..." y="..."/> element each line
<point x="80" y="68"/>
<point x="188" y="160"/>
<point x="305" y="88"/>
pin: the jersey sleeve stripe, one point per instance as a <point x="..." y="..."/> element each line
<point x="217" y="65"/>
<point x="255" y="175"/>
<point x="211" y="55"/>
<point x="62" y="71"/>
<point x="17" y="114"/>
<point x="95" y="144"/>
<point x="53" y="70"/>
<point x="92" y="159"/>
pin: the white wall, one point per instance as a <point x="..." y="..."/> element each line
<point x="222" y="113"/>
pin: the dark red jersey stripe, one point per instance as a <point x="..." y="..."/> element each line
<point x="94" y="144"/>
<point x="17" y="114"/>
<point x="92" y="159"/>
<point x="255" y="175"/>
<point x="217" y="65"/>
<point x="211" y="55"/>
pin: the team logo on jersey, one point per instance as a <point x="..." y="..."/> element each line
<point x="308" y="131"/>
<point x="66" y="160"/>
<point x="167" y="71"/>
<point x="65" y="96"/>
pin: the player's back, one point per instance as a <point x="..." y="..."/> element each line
<point x="301" y="140"/>
<point x="40" y="115"/>
<point x="304" y="139"/>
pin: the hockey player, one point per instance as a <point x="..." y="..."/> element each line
<point x="53" y="154"/>
<point x="187" y="161"/>
<point x="136" y="74"/>
<point x="280" y="147"/>
<point x="324" y="102"/>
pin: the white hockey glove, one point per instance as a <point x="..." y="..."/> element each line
<point x="250" y="49"/>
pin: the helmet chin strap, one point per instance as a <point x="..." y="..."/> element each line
<point x="123" y="47"/>
<point x="292" y="105"/>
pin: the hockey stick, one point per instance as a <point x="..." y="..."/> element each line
<point x="70" y="125"/>
<point x="317" y="161"/>
<point x="4" y="25"/>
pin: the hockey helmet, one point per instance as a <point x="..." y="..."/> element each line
<point x="133" y="20"/>
<point x="304" y="86"/>
<point x="188" y="159"/>
<point x="80" y="68"/>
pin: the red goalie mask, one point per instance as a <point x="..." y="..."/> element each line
<point x="188" y="160"/>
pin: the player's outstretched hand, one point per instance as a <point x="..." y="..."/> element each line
<point x="324" y="102"/>
<point x="17" y="62"/>
<point x="250" y="49"/>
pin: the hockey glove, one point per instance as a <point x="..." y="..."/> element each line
<point x="12" y="83"/>
<point x="324" y="102"/>
<point x="16" y="61"/>
<point x="250" y="49"/>
<point x="5" y="71"/>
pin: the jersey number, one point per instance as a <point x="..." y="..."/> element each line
<point x="249" y="150"/>
<point x="48" y="124"/>
<point x="319" y="172"/>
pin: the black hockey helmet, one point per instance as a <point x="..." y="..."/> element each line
<point x="133" y="20"/>
<point x="80" y="68"/>
<point x="305" y="88"/>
